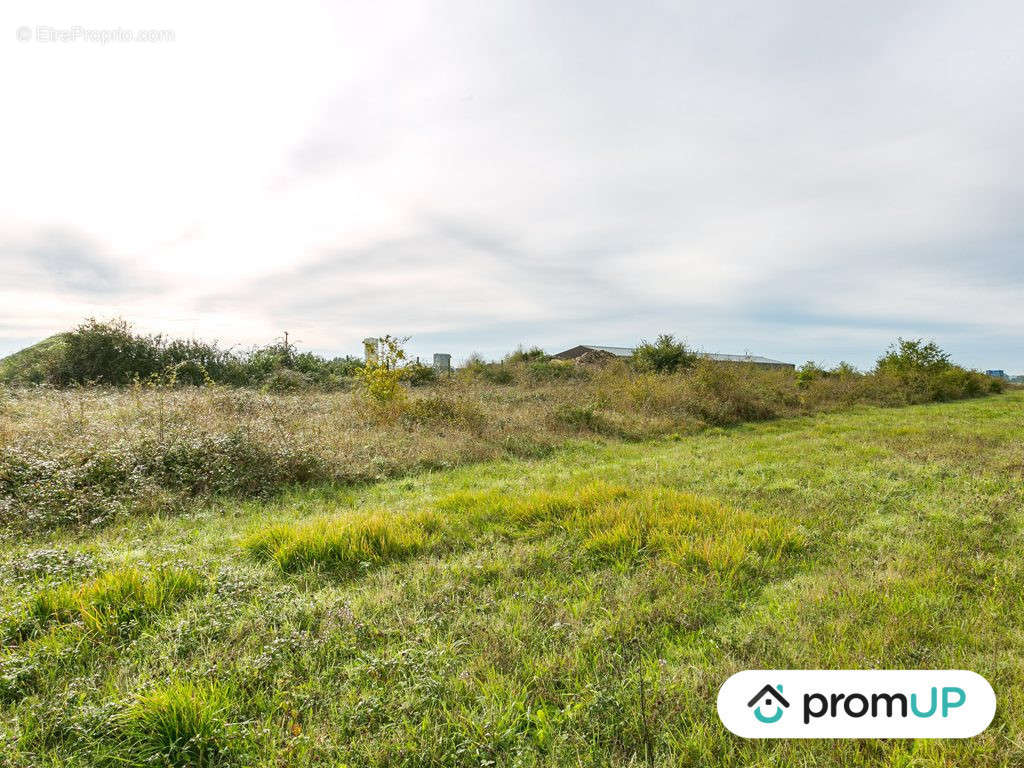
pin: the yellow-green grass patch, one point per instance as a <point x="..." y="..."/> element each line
<point x="112" y="602"/>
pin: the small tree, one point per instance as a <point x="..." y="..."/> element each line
<point x="522" y="355"/>
<point x="913" y="356"/>
<point x="108" y="353"/>
<point x="665" y="356"/>
<point x="381" y="377"/>
<point x="844" y="371"/>
<point x="808" y="372"/>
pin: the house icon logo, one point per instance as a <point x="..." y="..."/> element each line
<point x="769" y="697"/>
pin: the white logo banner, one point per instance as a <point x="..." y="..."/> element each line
<point x="856" y="704"/>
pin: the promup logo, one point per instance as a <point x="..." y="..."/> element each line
<point x="857" y="704"/>
<point x="766" y="697"/>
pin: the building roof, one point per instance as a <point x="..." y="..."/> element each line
<point x="628" y="352"/>
<point x="740" y="358"/>
<point x="617" y="351"/>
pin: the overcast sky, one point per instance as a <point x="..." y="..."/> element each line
<point x="802" y="180"/>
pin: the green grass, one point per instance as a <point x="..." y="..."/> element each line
<point x="109" y="603"/>
<point x="511" y="612"/>
<point x="179" y="724"/>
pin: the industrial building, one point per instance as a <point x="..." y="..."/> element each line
<point x="574" y="353"/>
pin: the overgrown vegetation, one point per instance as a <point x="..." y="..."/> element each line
<point x="577" y="610"/>
<point x="201" y="574"/>
<point x="85" y="456"/>
<point x="111" y="353"/>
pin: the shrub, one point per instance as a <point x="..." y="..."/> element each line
<point x="925" y="374"/>
<point x="110" y="353"/>
<point x="540" y="371"/>
<point x="232" y="463"/>
<point x="664" y="356"/>
<point x="911" y="356"/>
<point x="419" y="375"/>
<point x="494" y="373"/>
<point x="845" y="370"/>
<point x="724" y="393"/>
<point x="42" y="487"/>
<point x="193" y="361"/>
<point x="286" y="380"/>
<point x="808" y="372"/>
<point x="381" y="377"/>
<point x="106" y="353"/>
<point x="322" y="372"/>
<point x="521" y="355"/>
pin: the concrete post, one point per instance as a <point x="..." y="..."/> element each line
<point x="442" y="362"/>
<point x="370" y="349"/>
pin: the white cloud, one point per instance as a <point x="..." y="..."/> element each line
<point x="794" y="179"/>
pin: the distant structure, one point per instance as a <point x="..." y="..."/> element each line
<point x="999" y="373"/>
<point x="371" y="354"/>
<point x="442" y="362"/>
<point x="582" y="350"/>
<point x="371" y="349"/>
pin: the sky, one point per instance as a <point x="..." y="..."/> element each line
<point x="799" y="180"/>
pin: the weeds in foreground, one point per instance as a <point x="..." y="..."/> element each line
<point x="555" y="613"/>
<point x="82" y="458"/>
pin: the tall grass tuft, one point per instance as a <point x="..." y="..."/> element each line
<point x="115" y="603"/>
<point x="180" y="724"/>
<point x="344" y="546"/>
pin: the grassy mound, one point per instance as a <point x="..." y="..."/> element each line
<point x="33" y="364"/>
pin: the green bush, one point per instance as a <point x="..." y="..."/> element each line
<point x="106" y="353"/>
<point x="845" y="370"/>
<point x="913" y="356"/>
<point x="664" y="356"/>
<point x="110" y="353"/>
<point x="419" y="375"/>
<point x="476" y="367"/>
<point x="808" y="372"/>
<point x="924" y="373"/>
<point x="231" y="463"/>
<point x="540" y="371"/>
<point x="286" y="380"/>
<point x="380" y="378"/>
<point x="724" y="393"/>
<point x="446" y="412"/>
<point x="44" y="487"/>
<point x="521" y="355"/>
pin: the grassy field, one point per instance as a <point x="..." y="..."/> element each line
<point x="577" y="609"/>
